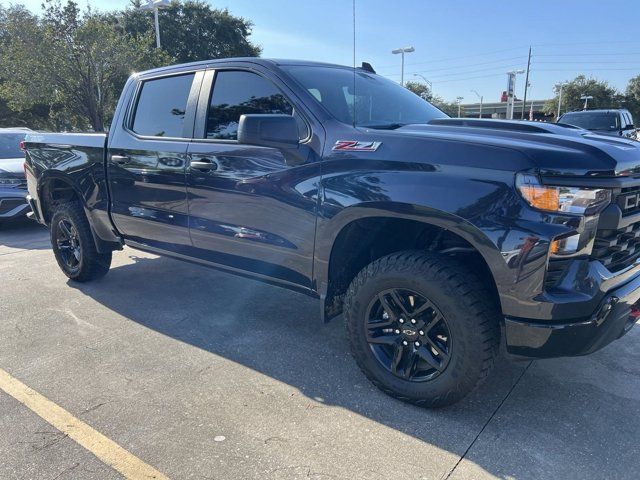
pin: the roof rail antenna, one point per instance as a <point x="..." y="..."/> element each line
<point x="366" y="66"/>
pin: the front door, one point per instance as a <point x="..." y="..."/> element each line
<point x="147" y="163"/>
<point x="250" y="208"/>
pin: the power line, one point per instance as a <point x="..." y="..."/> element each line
<point x="453" y="74"/>
<point x="502" y="60"/>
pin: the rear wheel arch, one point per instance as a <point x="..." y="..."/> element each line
<point x="380" y="234"/>
<point x="56" y="190"/>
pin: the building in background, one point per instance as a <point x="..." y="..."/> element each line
<point x="533" y="109"/>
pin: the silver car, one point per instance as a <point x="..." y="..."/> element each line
<point x="13" y="184"/>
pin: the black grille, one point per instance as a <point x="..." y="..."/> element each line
<point x="629" y="201"/>
<point x="617" y="249"/>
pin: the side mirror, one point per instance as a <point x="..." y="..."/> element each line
<point x="269" y="130"/>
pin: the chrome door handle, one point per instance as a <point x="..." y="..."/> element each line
<point x="204" y="164"/>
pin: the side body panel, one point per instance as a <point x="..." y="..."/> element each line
<point x="147" y="177"/>
<point x="256" y="209"/>
<point x="76" y="160"/>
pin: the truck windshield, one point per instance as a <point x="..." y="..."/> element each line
<point x="10" y="145"/>
<point x="592" y="120"/>
<point x="375" y="102"/>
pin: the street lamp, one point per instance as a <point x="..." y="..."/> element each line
<point x="586" y="99"/>
<point x="402" y="51"/>
<point x="511" y="88"/>
<point x="156" y="5"/>
<point x="458" y="101"/>
<point x="560" y="101"/>
<point x="481" y="98"/>
<point x="428" y="82"/>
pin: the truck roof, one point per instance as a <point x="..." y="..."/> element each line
<point x="267" y="62"/>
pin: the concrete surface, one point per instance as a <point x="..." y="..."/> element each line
<point x="164" y="357"/>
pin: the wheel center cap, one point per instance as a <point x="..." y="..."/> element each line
<point x="409" y="333"/>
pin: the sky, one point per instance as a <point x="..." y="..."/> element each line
<point x="460" y="45"/>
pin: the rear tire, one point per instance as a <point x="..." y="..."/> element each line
<point x="73" y="244"/>
<point x="422" y="327"/>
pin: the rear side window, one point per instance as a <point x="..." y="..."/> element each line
<point x="236" y="93"/>
<point x="162" y="105"/>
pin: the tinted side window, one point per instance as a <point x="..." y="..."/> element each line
<point x="237" y="93"/>
<point x="162" y="105"/>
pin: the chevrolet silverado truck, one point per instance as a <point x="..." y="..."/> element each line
<point x="442" y="241"/>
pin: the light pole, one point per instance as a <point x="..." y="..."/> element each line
<point x="402" y="51"/>
<point x="511" y="88"/>
<point x="481" y="98"/>
<point x="458" y="101"/>
<point x="156" y="5"/>
<point x="560" y="101"/>
<point x="586" y="99"/>
<point x="427" y="82"/>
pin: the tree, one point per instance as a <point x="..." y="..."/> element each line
<point x="76" y="62"/>
<point x="192" y="30"/>
<point x="424" y="92"/>
<point x="632" y="98"/>
<point x="37" y="116"/>
<point x="604" y="95"/>
<point x="420" y="89"/>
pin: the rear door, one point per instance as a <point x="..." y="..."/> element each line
<point x="251" y="208"/>
<point x="147" y="160"/>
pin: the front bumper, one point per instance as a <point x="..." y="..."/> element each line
<point x="614" y="317"/>
<point x="13" y="204"/>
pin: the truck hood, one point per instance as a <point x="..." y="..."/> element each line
<point x="553" y="149"/>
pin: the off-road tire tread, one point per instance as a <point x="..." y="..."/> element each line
<point x="95" y="265"/>
<point x="463" y="284"/>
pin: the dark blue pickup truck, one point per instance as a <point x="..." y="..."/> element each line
<point x="439" y="239"/>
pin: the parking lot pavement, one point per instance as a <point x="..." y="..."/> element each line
<point x="204" y="375"/>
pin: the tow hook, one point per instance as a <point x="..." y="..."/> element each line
<point x="605" y="310"/>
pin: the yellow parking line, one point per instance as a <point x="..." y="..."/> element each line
<point x="105" y="449"/>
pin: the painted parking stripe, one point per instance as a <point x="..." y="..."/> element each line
<point x="107" y="451"/>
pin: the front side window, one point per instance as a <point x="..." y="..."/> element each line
<point x="162" y="105"/>
<point x="363" y="99"/>
<point x="236" y="93"/>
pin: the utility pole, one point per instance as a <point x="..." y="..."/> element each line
<point x="402" y="51"/>
<point x="526" y="84"/>
<point x="459" y="100"/>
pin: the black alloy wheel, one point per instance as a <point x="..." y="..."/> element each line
<point x="408" y="335"/>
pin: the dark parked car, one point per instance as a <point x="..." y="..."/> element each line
<point x="438" y="238"/>
<point x="616" y="122"/>
<point x="13" y="184"/>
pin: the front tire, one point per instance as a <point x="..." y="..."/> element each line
<point x="422" y="327"/>
<point x="73" y="244"/>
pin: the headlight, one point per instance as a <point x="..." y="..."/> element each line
<point x="561" y="199"/>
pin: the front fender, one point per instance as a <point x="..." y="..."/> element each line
<point x="480" y="206"/>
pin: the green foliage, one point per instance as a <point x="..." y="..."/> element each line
<point x="420" y="89"/>
<point x="604" y="95"/>
<point x="66" y="68"/>
<point x="423" y="91"/>
<point x="632" y="98"/>
<point x="192" y="30"/>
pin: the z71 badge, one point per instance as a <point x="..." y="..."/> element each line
<point x="355" y="146"/>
